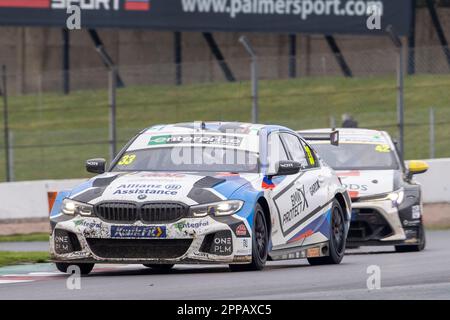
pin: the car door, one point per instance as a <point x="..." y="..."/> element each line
<point x="321" y="191"/>
<point x="297" y="197"/>
<point x="280" y="185"/>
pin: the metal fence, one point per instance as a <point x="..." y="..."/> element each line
<point x="51" y="134"/>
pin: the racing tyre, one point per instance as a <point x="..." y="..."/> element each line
<point x="416" y="247"/>
<point x="260" y="241"/>
<point x="160" y="267"/>
<point x="338" y="238"/>
<point x="85" y="268"/>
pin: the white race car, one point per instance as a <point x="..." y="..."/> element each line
<point x="387" y="202"/>
<point x="230" y="193"/>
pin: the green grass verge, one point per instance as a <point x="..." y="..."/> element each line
<point x="25" y="237"/>
<point x="82" y="117"/>
<point x="12" y="257"/>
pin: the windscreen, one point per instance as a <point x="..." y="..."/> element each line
<point x="190" y="153"/>
<point x="357" y="156"/>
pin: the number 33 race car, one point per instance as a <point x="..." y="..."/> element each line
<point x="228" y="193"/>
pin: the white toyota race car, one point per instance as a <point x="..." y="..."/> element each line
<point x="387" y="202"/>
<point x="229" y="193"/>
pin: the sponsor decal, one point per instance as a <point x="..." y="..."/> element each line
<point x="416" y="212"/>
<point x="138" y="231"/>
<point x="156" y="140"/>
<point x="313" y="252"/>
<point x="180" y="226"/>
<point x="355" y="187"/>
<point x="407" y="223"/>
<point x="267" y="183"/>
<point x="222" y="244"/>
<point x="245" y="258"/>
<point x="62" y="242"/>
<point x="200" y="254"/>
<point x="299" y="204"/>
<point x="195" y="139"/>
<point x="160" y="175"/>
<point x="314" y="188"/>
<point x="145" y="189"/>
<point x="241" y="231"/>
<point x="88" y="224"/>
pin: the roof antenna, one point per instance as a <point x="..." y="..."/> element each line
<point x="203" y="125"/>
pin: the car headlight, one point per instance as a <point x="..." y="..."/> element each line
<point x="396" y="197"/>
<point x="72" y="207"/>
<point x="222" y="208"/>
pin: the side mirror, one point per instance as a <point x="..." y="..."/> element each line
<point x="96" y="165"/>
<point x="417" y="167"/>
<point x="287" y="167"/>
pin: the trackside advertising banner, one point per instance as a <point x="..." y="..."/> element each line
<point x="282" y="16"/>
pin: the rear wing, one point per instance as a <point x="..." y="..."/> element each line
<point x="333" y="136"/>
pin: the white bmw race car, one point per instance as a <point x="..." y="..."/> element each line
<point x="229" y="193"/>
<point x="387" y="202"/>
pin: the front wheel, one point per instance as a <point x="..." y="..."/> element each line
<point x="337" y="238"/>
<point x="85" y="268"/>
<point x="416" y="247"/>
<point x="260" y="242"/>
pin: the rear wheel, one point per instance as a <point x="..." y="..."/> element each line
<point x="337" y="238"/>
<point x="416" y="247"/>
<point x="260" y="242"/>
<point x="85" y="268"/>
<point x="160" y="267"/>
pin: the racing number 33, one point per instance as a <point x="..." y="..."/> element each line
<point x="127" y="159"/>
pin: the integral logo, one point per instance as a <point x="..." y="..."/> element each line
<point x="142" y="196"/>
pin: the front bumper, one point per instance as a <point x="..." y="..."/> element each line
<point x="189" y="240"/>
<point x="375" y="223"/>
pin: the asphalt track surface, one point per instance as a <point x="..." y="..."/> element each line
<point x="422" y="275"/>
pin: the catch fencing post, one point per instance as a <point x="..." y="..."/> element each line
<point x="332" y="122"/>
<point x="400" y="88"/>
<point x="112" y="111"/>
<point x="4" y="93"/>
<point x="254" y="76"/>
<point x="11" y="156"/>
<point x="432" y="134"/>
